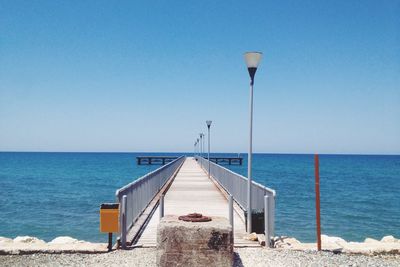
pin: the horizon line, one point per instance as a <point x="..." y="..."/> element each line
<point x="214" y="152"/>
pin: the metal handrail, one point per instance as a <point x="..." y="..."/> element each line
<point x="136" y="196"/>
<point x="236" y="185"/>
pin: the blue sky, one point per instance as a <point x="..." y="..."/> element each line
<point x="131" y="76"/>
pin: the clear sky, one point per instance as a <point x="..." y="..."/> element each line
<point x="130" y="76"/>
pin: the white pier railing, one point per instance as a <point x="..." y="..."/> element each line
<point x="136" y="196"/>
<point x="263" y="198"/>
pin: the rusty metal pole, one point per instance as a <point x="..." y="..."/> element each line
<point x="317" y="200"/>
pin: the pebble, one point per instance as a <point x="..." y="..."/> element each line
<point x="252" y="257"/>
<point x="286" y="257"/>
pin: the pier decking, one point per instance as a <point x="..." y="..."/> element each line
<point x="192" y="191"/>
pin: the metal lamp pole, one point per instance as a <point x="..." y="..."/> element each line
<point x="198" y="149"/>
<point x="201" y="144"/>
<point x="208" y="126"/>
<point x="252" y="60"/>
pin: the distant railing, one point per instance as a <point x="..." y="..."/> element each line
<point x="236" y="185"/>
<point x="136" y="196"/>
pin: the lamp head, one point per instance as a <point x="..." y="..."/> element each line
<point x="252" y="60"/>
<point x="208" y="123"/>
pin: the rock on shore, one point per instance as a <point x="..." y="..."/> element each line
<point x="370" y="246"/>
<point x="62" y="244"/>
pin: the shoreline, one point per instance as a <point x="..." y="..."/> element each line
<point x="386" y="246"/>
<point x="67" y="251"/>
<point x="23" y="245"/>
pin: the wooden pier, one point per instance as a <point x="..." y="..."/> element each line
<point x="192" y="191"/>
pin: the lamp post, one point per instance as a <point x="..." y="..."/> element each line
<point x="198" y="146"/>
<point x="208" y="156"/>
<point x="201" y="144"/>
<point x="252" y="60"/>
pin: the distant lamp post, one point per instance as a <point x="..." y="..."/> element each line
<point x="198" y="146"/>
<point x="201" y="144"/>
<point x="252" y="60"/>
<point x="208" y="126"/>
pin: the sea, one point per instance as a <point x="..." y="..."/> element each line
<point x="59" y="194"/>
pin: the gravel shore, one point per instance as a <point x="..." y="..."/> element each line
<point x="251" y="257"/>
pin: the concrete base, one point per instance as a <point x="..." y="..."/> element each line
<point x="193" y="244"/>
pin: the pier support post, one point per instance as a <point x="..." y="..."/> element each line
<point x="161" y="207"/>
<point x="271" y="213"/>
<point x="231" y="213"/>
<point x="123" y="221"/>
<point x="266" y="222"/>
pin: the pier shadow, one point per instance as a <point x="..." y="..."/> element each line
<point x="237" y="261"/>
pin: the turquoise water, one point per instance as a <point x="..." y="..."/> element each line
<point x="360" y="195"/>
<point x="52" y="194"/>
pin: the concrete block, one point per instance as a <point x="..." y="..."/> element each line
<point x="181" y="243"/>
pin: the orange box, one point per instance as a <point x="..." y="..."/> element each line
<point x="109" y="218"/>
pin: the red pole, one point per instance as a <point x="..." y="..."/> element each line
<point x="317" y="200"/>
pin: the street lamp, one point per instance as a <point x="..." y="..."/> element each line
<point x="201" y="144"/>
<point x="198" y="147"/>
<point x="252" y="60"/>
<point x="208" y="126"/>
